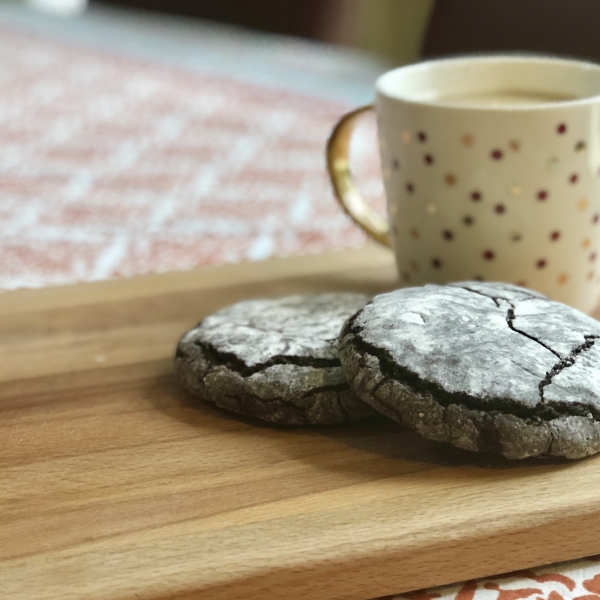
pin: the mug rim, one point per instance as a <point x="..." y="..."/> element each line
<point x="382" y="83"/>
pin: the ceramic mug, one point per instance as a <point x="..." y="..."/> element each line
<point x="491" y="167"/>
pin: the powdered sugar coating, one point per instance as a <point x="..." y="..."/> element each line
<point x="275" y="359"/>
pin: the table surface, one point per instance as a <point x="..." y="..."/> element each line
<point x="113" y="482"/>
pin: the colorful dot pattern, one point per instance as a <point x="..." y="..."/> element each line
<point x="514" y="145"/>
<point x="501" y="203"/>
<point x="468" y="140"/>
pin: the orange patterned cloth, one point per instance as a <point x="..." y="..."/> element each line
<point x="577" y="580"/>
<point x="115" y="167"/>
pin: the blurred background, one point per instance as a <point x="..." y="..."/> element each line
<point x="152" y="135"/>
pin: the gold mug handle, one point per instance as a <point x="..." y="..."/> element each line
<point x="345" y="188"/>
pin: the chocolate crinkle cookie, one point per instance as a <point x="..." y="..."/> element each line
<point x="482" y="366"/>
<point x="274" y="359"/>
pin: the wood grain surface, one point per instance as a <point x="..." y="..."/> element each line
<point x="114" y="484"/>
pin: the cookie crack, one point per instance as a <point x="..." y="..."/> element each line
<point x="494" y="299"/>
<point x="334" y="387"/>
<point x="337" y="388"/>
<point x="231" y="361"/>
<point x="510" y="321"/>
<point x="566" y="362"/>
<point x="510" y="316"/>
<point x="445" y="398"/>
<point x="343" y="409"/>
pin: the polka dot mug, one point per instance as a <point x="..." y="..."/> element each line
<point x="491" y="167"/>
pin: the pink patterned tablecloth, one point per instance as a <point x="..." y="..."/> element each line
<point x="111" y="167"/>
<point x="115" y="167"/>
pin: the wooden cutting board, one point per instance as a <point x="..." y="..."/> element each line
<point x="115" y="485"/>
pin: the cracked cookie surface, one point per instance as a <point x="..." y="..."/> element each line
<point x="274" y="359"/>
<point x="483" y="366"/>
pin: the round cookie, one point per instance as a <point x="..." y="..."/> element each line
<point x="482" y="366"/>
<point x="275" y="359"/>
